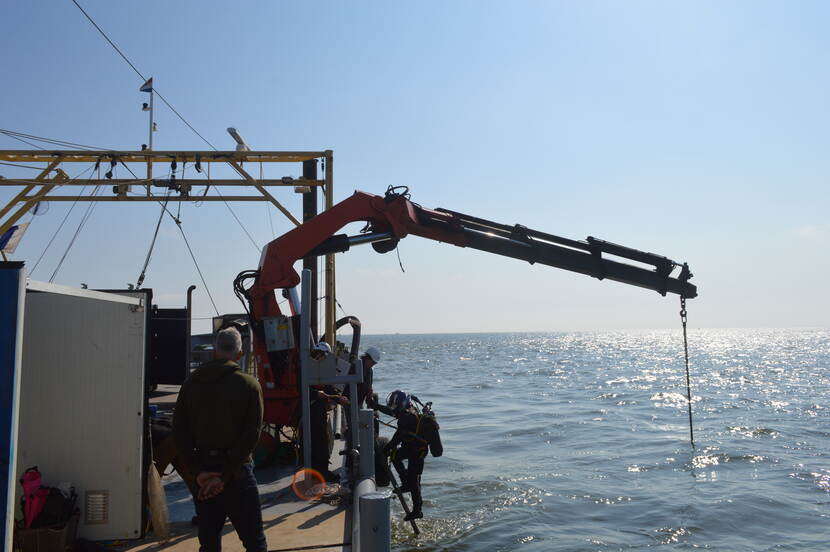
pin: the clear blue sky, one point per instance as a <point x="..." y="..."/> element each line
<point x="695" y="130"/>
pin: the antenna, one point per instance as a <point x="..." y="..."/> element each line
<point x="241" y="145"/>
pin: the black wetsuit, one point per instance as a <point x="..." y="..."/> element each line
<point x="417" y="434"/>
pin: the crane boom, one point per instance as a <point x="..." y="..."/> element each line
<point x="391" y="218"/>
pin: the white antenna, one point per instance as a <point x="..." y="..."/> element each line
<point x="148" y="87"/>
<point x="241" y="145"/>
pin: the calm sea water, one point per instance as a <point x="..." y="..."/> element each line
<point x="580" y="441"/>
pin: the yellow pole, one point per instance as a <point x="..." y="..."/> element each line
<point x="263" y="191"/>
<point x="16" y="199"/>
<point x="45" y="189"/>
<point x="331" y="299"/>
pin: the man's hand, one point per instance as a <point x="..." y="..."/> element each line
<point x="204" y="477"/>
<point x="210" y="485"/>
<point x="334" y="398"/>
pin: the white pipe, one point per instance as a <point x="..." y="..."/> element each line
<point x="375" y="522"/>
<point x="294" y="302"/>
<point x="361" y="488"/>
<point x="305" y="316"/>
<point x="337" y="423"/>
<point x="366" y="430"/>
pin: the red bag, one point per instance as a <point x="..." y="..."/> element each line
<point x="34" y="496"/>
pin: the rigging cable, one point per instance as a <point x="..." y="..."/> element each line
<point x="83" y="222"/>
<point x="137" y="72"/>
<point x="24" y="141"/>
<point x="140" y="279"/>
<point x="54" y="141"/>
<point x="256" y="246"/>
<point x="65" y="218"/>
<point x="199" y="270"/>
<point x="21" y="166"/>
<point x="688" y="382"/>
<point x="179" y="115"/>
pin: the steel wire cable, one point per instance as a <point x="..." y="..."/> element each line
<point x="21" y="166"/>
<point x="195" y="262"/>
<point x="65" y="218"/>
<point x="83" y="222"/>
<point x="141" y="276"/>
<point x="137" y="72"/>
<point x="24" y="141"/>
<point x="53" y="141"/>
<point x="173" y="109"/>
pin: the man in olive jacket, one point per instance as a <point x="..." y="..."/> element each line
<point x="216" y="426"/>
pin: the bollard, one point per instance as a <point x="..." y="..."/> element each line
<point x="375" y="522"/>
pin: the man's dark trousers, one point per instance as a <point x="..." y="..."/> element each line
<point x="239" y="501"/>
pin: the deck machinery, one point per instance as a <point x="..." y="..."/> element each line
<point x="389" y="219"/>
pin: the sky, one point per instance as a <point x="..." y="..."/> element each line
<point x="695" y="130"/>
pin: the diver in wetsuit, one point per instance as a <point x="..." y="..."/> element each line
<point x="417" y="433"/>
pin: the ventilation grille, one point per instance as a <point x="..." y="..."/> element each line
<point x="96" y="507"/>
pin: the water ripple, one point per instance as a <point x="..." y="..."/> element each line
<point x="580" y="441"/>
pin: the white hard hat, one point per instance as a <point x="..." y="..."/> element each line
<point x="373" y="353"/>
<point x="322" y="346"/>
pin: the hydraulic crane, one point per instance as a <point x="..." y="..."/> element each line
<point x="388" y="219"/>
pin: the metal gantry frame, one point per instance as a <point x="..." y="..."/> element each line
<point x="52" y="177"/>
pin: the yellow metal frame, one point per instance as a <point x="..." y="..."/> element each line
<point x="38" y="189"/>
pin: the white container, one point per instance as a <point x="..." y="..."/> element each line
<point x="82" y="402"/>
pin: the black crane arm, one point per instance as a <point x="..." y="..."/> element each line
<point x="589" y="257"/>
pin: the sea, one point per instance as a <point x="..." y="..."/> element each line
<point x="581" y="441"/>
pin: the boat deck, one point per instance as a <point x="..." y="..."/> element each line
<point x="290" y="524"/>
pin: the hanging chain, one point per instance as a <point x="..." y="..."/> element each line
<point x="688" y="382"/>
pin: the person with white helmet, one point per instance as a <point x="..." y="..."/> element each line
<point x="369" y="358"/>
<point x="322" y="399"/>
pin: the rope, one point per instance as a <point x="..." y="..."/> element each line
<point x="688" y="380"/>
<point x="152" y="243"/>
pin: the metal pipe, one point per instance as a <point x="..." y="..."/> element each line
<point x="294" y="300"/>
<point x="150" y="139"/>
<point x="309" y="212"/>
<point x="369" y="238"/>
<point x="366" y="435"/>
<point x="165" y="182"/>
<point x="361" y="488"/>
<point x="337" y="422"/>
<point x="375" y="521"/>
<point x="331" y="288"/>
<point x="353" y="441"/>
<point x="304" y="367"/>
<point x="189" y="353"/>
<point x="159" y="156"/>
<point x="368" y="515"/>
<point x="154" y="198"/>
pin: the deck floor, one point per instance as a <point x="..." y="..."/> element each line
<point x="290" y="524"/>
